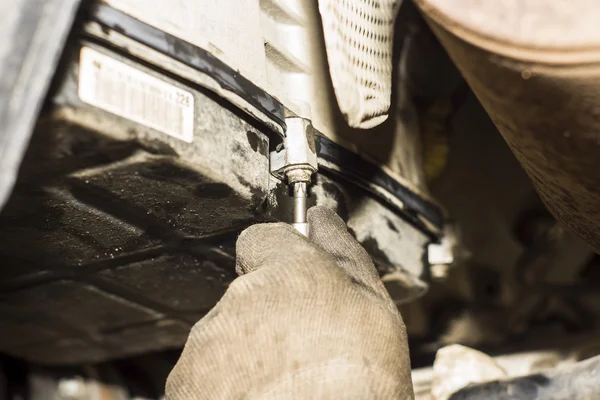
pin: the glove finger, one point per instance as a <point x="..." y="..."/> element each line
<point x="278" y="245"/>
<point x="328" y="231"/>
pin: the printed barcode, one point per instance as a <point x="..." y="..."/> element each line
<point x="133" y="94"/>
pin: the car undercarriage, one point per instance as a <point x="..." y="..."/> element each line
<point x="138" y="142"/>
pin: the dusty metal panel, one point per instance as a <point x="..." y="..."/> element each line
<point x="117" y="231"/>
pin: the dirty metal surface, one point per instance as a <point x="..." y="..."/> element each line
<point x="119" y="237"/>
<point x="115" y="245"/>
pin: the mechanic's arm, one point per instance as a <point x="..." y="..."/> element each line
<point x="308" y="319"/>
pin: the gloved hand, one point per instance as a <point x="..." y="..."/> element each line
<point x="308" y="319"/>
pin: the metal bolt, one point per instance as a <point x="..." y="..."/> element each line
<point x="300" y="222"/>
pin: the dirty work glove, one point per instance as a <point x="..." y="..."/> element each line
<point x="308" y="319"/>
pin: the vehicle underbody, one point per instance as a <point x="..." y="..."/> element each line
<point x="118" y="228"/>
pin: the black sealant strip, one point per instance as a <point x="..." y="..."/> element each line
<point x="352" y="163"/>
<point x="229" y="79"/>
<point x="192" y="56"/>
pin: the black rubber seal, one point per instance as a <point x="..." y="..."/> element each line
<point x="352" y="164"/>
<point x="190" y="55"/>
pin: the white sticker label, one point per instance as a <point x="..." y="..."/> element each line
<point x="130" y="93"/>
